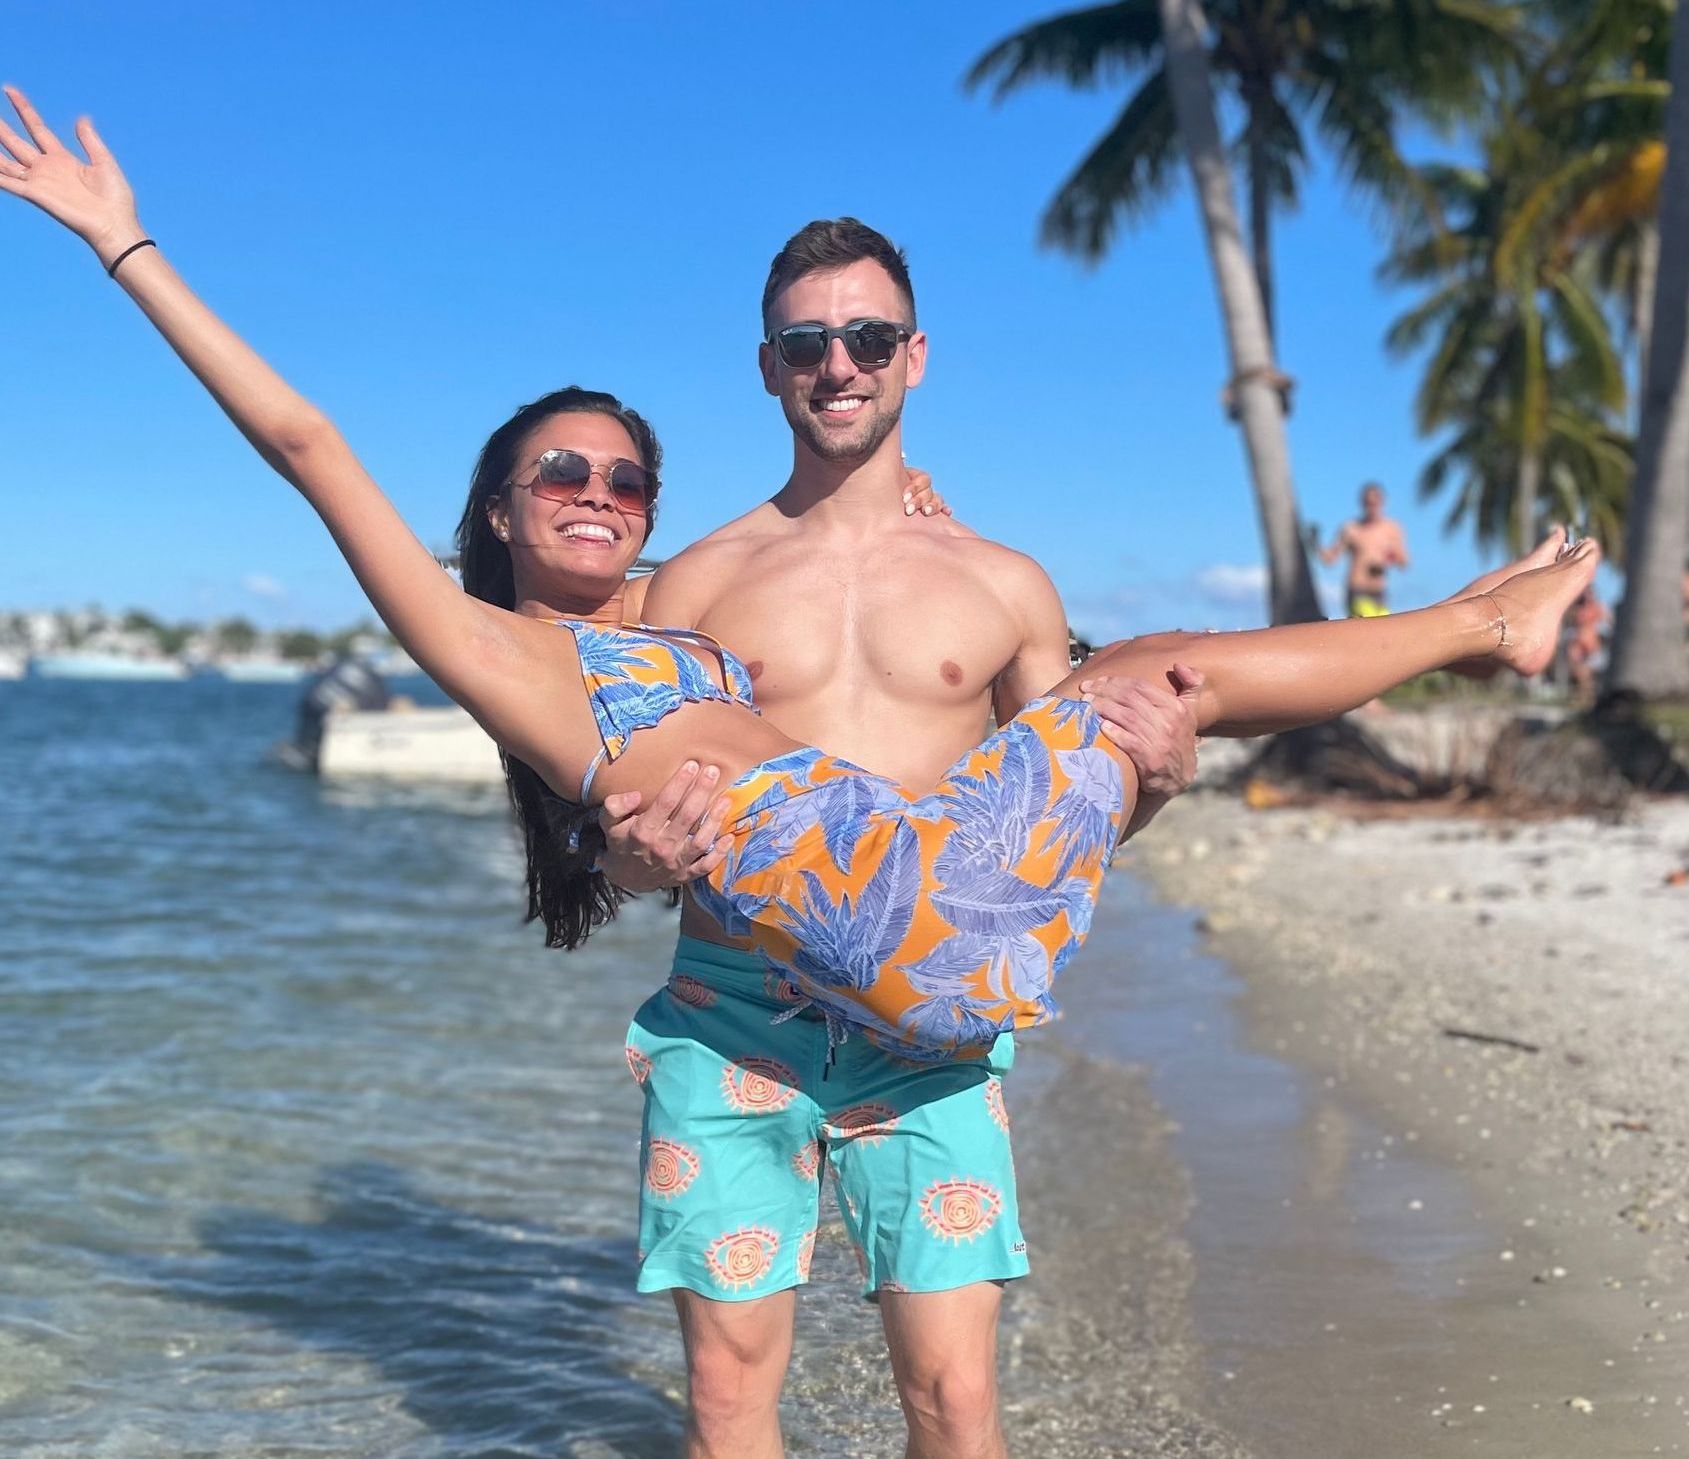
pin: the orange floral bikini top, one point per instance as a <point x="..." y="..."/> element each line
<point x="635" y="676"/>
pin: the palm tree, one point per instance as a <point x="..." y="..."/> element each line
<point x="1343" y="67"/>
<point x="1523" y="368"/>
<point x="1256" y="398"/>
<point x="1650" y="657"/>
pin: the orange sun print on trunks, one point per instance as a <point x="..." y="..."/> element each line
<point x="755" y="1085"/>
<point x="960" y="1209"/>
<point x="736" y="1259"/>
<point x="669" y="1168"/>
<point x="866" y="1124"/>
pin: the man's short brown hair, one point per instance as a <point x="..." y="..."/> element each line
<point x="828" y="244"/>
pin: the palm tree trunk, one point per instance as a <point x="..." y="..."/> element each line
<point x="1261" y="225"/>
<point x="1642" y="306"/>
<point x="1254" y="387"/>
<point x="1527" y="488"/>
<point x="1650" y="657"/>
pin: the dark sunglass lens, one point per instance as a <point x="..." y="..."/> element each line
<point x="803" y="345"/>
<point x="871" y="343"/>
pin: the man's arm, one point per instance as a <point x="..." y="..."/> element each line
<point x="1339" y="544"/>
<point x="1153" y="725"/>
<point x="1398" y="547"/>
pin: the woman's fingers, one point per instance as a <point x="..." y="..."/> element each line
<point x="21" y="150"/>
<point x="40" y="133"/>
<point x="91" y="143"/>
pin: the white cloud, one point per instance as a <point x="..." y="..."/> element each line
<point x="262" y="585"/>
<point x="1232" y="584"/>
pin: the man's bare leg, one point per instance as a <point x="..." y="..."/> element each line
<point x="944" y="1358"/>
<point x="736" y="1358"/>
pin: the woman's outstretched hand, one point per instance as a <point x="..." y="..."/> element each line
<point x="91" y="198"/>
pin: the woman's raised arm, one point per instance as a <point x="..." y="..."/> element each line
<point x="486" y="658"/>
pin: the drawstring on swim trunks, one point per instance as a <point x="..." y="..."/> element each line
<point x="837" y="1029"/>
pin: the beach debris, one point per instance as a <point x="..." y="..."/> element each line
<point x="1678" y="878"/>
<point x="1635" y="1127"/>
<point x="1580" y="1405"/>
<point x="1502" y="1039"/>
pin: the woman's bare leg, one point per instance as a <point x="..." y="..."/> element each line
<point x="1271" y="679"/>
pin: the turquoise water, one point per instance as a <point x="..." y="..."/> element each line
<point x="309" y="1147"/>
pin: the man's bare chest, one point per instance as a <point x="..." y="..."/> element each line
<point x="911" y="633"/>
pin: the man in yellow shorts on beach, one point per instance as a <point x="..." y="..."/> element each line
<point x="888" y="642"/>
<point x="1375" y="544"/>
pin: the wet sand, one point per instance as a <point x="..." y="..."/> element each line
<point x="1405" y="1241"/>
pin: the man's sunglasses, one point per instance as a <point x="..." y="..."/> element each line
<point x="561" y="476"/>
<point x="867" y="341"/>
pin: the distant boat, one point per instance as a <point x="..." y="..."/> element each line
<point x="260" y="671"/>
<point x="104" y="666"/>
<point x="11" y="666"/>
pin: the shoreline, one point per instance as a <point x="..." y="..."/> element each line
<point x="1564" y="1172"/>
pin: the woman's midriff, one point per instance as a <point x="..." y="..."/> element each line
<point x="723" y="735"/>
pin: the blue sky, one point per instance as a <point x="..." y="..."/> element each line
<point x="426" y="214"/>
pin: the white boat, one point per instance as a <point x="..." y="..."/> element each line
<point x="406" y="743"/>
<point x="11" y="665"/>
<point x="261" y="671"/>
<point x="104" y="666"/>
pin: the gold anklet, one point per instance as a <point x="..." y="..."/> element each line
<point x="1500" y="622"/>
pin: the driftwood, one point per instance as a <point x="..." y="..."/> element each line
<point x="1492" y="1038"/>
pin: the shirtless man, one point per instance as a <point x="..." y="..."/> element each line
<point x="1375" y="543"/>
<point x="889" y="647"/>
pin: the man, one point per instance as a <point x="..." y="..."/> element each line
<point x="888" y="645"/>
<point x="1375" y="544"/>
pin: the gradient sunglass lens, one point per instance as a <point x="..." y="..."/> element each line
<point x="563" y="476"/>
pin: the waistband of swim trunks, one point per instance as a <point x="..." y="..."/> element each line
<point x="738" y="974"/>
<point x="727" y="968"/>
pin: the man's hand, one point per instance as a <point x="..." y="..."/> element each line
<point x="919" y="496"/>
<point x="1154" y="726"/>
<point x="677" y="840"/>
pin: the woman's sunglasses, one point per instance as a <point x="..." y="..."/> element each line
<point x="867" y="341"/>
<point x="561" y="476"/>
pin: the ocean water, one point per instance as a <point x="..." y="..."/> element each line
<point x="309" y="1147"/>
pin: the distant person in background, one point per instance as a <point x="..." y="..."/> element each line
<point x="1584" y="624"/>
<point x="1375" y="544"/>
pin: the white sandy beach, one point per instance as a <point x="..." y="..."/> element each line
<point x="1373" y="950"/>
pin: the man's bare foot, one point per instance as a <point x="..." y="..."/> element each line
<point x="1544" y="554"/>
<point x="1532" y="605"/>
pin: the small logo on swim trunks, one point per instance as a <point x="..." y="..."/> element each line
<point x="690" y="990"/>
<point x="806" y="1253"/>
<point x="639" y="1064"/>
<point x="994" y="1103"/>
<point x="960" y="1209"/>
<point x="807" y="1162"/>
<point x="669" y="1168"/>
<point x="867" y="1124"/>
<point x="755" y="1085"/>
<point x="742" y="1257"/>
<point x="890" y="1286"/>
<point x="1018" y="1247"/>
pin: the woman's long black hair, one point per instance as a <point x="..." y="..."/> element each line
<point x="561" y="839"/>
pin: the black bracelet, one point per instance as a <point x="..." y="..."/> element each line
<point x="111" y="271"/>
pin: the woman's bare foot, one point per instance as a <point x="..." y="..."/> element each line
<point x="1532" y="604"/>
<point x="1544" y="554"/>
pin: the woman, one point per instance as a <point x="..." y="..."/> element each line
<point x="933" y="921"/>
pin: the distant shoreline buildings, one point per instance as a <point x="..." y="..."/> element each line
<point x="90" y="643"/>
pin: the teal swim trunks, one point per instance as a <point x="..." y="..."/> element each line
<point x="744" y="1116"/>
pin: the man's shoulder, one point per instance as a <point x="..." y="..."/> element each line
<point x="996" y="557"/>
